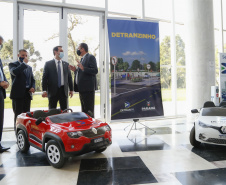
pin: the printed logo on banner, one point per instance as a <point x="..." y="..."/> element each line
<point x="223" y="68"/>
<point x="148" y="107"/>
<point x="127" y="104"/>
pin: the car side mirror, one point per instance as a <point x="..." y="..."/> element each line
<point x="39" y="120"/>
<point x="194" y="111"/>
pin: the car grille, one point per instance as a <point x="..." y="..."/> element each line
<point x="90" y="134"/>
<point x="217" y="141"/>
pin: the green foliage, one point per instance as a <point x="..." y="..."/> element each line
<point x="165" y="61"/>
<point x="34" y="56"/>
<point x="136" y="65"/>
<point x="153" y="66"/>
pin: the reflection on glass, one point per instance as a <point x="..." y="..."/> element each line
<point x="79" y="30"/>
<point x="133" y="7"/>
<point x="6" y="20"/>
<point x="158" y="9"/>
<point x="217" y="13"/>
<point x="41" y="34"/>
<point x="95" y="3"/>
<point x="164" y="38"/>
<point x="180" y="6"/>
<point x="180" y="45"/>
<point x="181" y="91"/>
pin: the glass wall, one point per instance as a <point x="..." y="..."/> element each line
<point x="35" y="32"/>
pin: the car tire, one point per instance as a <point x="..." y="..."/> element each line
<point x="101" y="150"/>
<point x="54" y="154"/>
<point x="22" y="141"/>
<point x="193" y="141"/>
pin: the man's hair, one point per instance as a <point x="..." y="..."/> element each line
<point x="84" y="46"/>
<point x="24" y="50"/>
<point x="1" y="38"/>
<point x="56" y="49"/>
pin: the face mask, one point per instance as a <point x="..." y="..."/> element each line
<point x="78" y="52"/>
<point x="61" y="54"/>
<point x="21" y="59"/>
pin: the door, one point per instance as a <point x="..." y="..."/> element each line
<point x="42" y="27"/>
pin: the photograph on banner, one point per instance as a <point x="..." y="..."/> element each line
<point x="223" y="76"/>
<point x="135" y="69"/>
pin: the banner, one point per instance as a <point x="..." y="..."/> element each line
<point x="223" y="76"/>
<point x="135" y="69"/>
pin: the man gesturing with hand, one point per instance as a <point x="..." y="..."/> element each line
<point x="23" y="84"/>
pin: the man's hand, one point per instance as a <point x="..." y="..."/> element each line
<point x="71" y="94"/>
<point x="32" y="90"/>
<point x="80" y="66"/>
<point x="26" y="60"/>
<point x="73" y="68"/>
<point x="4" y="84"/>
<point x="44" y="94"/>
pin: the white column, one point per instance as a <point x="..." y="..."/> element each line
<point x="200" y="59"/>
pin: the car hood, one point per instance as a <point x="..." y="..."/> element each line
<point x="213" y="120"/>
<point x="80" y="124"/>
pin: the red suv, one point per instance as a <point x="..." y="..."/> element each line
<point x="61" y="134"/>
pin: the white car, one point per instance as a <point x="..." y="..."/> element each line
<point x="209" y="126"/>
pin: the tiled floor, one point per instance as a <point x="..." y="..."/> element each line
<point x="163" y="158"/>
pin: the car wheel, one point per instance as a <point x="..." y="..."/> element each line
<point x="193" y="141"/>
<point x="22" y="141"/>
<point x="101" y="150"/>
<point x="54" y="154"/>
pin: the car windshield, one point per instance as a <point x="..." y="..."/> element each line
<point x="214" y="111"/>
<point x="68" y="117"/>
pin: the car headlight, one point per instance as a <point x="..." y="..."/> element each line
<point x="107" y="128"/>
<point x="201" y="124"/>
<point x="75" y="134"/>
<point x="223" y="129"/>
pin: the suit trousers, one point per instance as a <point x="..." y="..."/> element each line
<point x="61" y="97"/>
<point x="21" y="105"/>
<point x="1" y="112"/>
<point x="87" y="100"/>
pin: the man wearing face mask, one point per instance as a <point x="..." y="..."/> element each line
<point x="3" y="85"/>
<point x="57" y="80"/>
<point x="23" y="84"/>
<point x="85" y="79"/>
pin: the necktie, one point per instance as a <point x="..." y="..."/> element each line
<point x="78" y="72"/>
<point x="59" y="75"/>
<point x="1" y="75"/>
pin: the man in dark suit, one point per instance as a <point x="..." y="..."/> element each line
<point x="85" y="79"/>
<point x="56" y="80"/>
<point x="3" y="85"/>
<point x="23" y="84"/>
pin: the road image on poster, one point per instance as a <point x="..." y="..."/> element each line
<point x="135" y="69"/>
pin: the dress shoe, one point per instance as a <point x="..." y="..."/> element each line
<point x="3" y="149"/>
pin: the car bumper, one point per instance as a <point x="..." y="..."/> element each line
<point x="210" y="135"/>
<point x="89" y="147"/>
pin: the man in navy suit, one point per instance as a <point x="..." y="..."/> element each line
<point x="85" y="79"/>
<point x="23" y="84"/>
<point x="56" y="80"/>
<point x="3" y="85"/>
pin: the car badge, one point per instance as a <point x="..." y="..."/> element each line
<point x="94" y="130"/>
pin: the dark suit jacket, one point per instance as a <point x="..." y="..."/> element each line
<point x="87" y="79"/>
<point x="18" y="76"/>
<point x="1" y="66"/>
<point x="50" y="78"/>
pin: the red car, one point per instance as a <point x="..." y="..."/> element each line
<point x="61" y="134"/>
